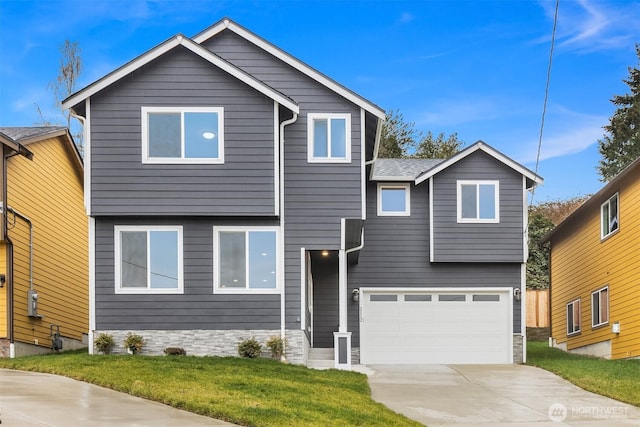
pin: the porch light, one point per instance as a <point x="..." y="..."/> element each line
<point x="355" y="295"/>
<point x="325" y="253"/>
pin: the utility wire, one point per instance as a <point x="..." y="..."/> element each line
<point x="546" y="92"/>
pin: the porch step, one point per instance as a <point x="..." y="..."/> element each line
<point x="320" y="358"/>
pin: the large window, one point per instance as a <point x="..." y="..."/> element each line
<point x="478" y="201"/>
<point x="182" y="135"/>
<point x="148" y="259"/>
<point x="573" y="317"/>
<point x="600" y="307"/>
<point x="245" y="260"/>
<point x="393" y="200"/>
<point x="329" y="137"/>
<point x="609" y="216"/>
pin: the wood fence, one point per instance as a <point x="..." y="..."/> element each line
<point x="538" y="308"/>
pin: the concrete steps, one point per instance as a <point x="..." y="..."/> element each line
<point x="321" y="358"/>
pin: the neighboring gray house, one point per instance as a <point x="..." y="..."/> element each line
<point x="233" y="191"/>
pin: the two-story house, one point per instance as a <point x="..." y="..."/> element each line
<point x="234" y="191"/>
<point x="595" y="271"/>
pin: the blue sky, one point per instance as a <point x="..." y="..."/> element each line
<point x="477" y="68"/>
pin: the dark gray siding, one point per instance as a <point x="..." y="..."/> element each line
<point x="501" y="242"/>
<point x="198" y="307"/>
<point x="122" y="185"/>
<point x="316" y="195"/>
<point x="396" y="254"/>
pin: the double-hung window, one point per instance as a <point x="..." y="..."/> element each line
<point x="609" y="216"/>
<point x="393" y="200"/>
<point x="478" y="201"/>
<point x="245" y="260"/>
<point x="600" y="307"/>
<point x="573" y="317"/>
<point x="329" y="138"/>
<point x="148" y="259"/>
<point x="182" y="135"/>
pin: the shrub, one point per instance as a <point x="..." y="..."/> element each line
<point x="277" y="346"/>
<point x="175" y="351"/>
<point x="133" y="342"/>
<point x="104" y="343"/>
<point x="250" y="348"/>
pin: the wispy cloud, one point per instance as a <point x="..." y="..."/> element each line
<point x="458" y="111"/>
<point x="406" y="17"/>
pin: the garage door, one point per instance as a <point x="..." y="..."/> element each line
<point x="426" y="326"/>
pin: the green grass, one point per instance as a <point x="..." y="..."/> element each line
<point x="252" y="392"/>
<point x="618" y="379"/>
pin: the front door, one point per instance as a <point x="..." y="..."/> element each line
<point x="324" y="271"/>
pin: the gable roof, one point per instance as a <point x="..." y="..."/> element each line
<point x="14" y="145"/>
<point x="401" y="169"/>
<point x="228" y="24"/>
<point x="594" y="200"/>
<point x="26" y="135"/>
<point x="166" y="46"/>
<point x="480" y="145"/>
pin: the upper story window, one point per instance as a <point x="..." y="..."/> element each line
<point x="600" y="307"/>
<point x="394" y="200"/>
<point x="245" y="260"/>
<point x="609" y="217"/>
<point x="329" y="138"/>
<point x="478" y="201"/>
<point x="148" y="259"/>
<point x="182" y="135"/>
<point x="573" y="317"/>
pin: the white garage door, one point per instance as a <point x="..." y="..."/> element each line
<point x="425" y="326"/>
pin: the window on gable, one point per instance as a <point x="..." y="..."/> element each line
<point x="182" y="135"/>
<point x="478" y="201"/>
<point x="394" y="200"/>
<point x="600" y="307"/>
<point x="148" y="259"/>
<point x="245" y="260"/>
<point x="609" y="216"/>
<point x="573" y="317"/>
<point x="329" y="138"/>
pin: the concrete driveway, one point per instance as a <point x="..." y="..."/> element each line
<point x="493" y="395"/>
<point x="28" y="399"/>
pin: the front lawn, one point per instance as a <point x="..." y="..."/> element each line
<point x="252" y="392"/>
<point x="618" y="379"/>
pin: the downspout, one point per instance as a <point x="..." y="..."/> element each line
<point x="27" y="220"/>
<point x="282" y="294"/>
<point x="377" y="144"/>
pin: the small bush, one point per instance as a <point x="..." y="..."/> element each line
<point x="175" y="351"/>
<point x="104" y="343"/>
<point x="133" y="342"/>
<point x="250" y="348"/>
<point x="277" y="345"/>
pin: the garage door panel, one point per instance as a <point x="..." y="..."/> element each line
<point x="430" y="327"/>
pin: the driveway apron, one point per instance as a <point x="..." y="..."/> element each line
<point x="493" y="395"/>
<point x="29" y="399"/>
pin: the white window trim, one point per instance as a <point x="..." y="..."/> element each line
<point x="570" y="303"/>
<point x="407" y="194"/>
<point x="182" y="160"/>
<point x="477" y="183"/>
<point x="598" y="292"/>
<point x="310" y="135"/>
<point x="608" y="202"/>
<point x="216" y="261"/>
<point x="118" y="253"/>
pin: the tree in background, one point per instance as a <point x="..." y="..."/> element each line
<point x="543" y="218"/>
<point x="400" y="139"/>
<point x="621" y="144"/>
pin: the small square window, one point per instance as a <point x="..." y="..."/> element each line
<point x="478" y="201"/>
<point x="394" y="200"/>
<point x="329" y="138"/>
<point x="600" y="307"/>
<point x="182" y="135"/>
<point x="573" y="317"/>
<point x="609" y="217"/>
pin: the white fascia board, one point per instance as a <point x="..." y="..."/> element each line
<point x="166" y="47"/>
<point x="407" y="178"/>
<point x="487" y="149"/>
<point x="291" y="61"/>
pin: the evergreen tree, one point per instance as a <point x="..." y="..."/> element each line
<point x="438" y="147"/>
<point x="621" y="144"/>
<point x="398" y="137"/>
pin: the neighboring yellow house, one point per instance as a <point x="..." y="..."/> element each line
<point x="595" y="272"/>
<point x="44" y="265"/>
